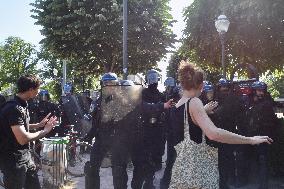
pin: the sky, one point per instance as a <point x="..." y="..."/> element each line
<point x="16" y="21"/>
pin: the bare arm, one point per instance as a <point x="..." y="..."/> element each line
<point x="23" y="136"/>
<point x="200" y="117"/>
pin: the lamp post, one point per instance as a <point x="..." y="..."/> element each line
<point x="222" y="26"/>
<point x="125" y="55"/>
<point x="64" y="75"/>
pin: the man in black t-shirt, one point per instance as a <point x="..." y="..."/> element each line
<point x="15" y="159"/>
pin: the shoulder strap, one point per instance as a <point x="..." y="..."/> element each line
<point x="186" y="113"/>
<point x="187" y="109"/>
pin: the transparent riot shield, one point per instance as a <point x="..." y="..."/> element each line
<point x="121" y="104"/>
<point x="74" y="111"/>
<point x="121" y="115"/>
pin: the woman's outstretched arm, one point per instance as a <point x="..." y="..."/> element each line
<point x="200" y="117"/>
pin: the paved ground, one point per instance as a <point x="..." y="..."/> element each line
<point x="106" y="181"/>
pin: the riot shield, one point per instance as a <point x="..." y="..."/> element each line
<point x="121" y="114"/>
<point x="121" y="105"/>
<point x="75" y="114"/>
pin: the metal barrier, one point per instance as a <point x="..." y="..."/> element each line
<point x="54" y="161"/>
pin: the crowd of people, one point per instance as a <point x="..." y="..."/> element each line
<point x="212" y="133"/>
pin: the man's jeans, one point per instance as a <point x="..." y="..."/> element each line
<point x="19" y="174"/>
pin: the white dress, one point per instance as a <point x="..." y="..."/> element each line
<point x="196" y="165"/>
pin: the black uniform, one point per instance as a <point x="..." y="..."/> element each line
<point x="15" y="160"/>
<point x="33" y="110"/>
<point x="71" y="114"/>
<point x="230" y="115"/>
<point x="148" y="160"/>
<point x="2" y="100"/>
<point x="262" y="122"/>
<point x="171" y="152"/>
<point x="110" y="137"/>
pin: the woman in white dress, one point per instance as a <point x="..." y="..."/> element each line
<point x="196" y="166"/>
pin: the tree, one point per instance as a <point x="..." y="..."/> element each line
<point x="275" y="82"/>
<point x="51" y="71"/>
<point x="255" y="34"/>
<point x="212" y="75"/>
<point x="90" y="32"/>
<point x="16" y="58"/>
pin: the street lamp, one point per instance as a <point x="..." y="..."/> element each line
<point x="125" y="54"/>
<point x="222" y="25"/>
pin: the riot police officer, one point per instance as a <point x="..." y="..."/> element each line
<point x="109" y="138"/>
<point x="69" y="110"/>
<point x="262" y="121"/>
<point x="148" y="155"/>
<point x="229" y="115"/>
<point x="45" y="106"/>
<point x="207" y="94"/>
<point x="172" y="92"/>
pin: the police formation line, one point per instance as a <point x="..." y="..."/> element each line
<point x="133" y="124"/>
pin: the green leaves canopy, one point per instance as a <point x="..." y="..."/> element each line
<point x="255" y="35"/>
<point x="16" y="58"/>
<point x="90" y="32"/>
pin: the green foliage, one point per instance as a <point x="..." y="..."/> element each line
<point x="51" y="70"/>
<point x="16" y="58"/>
<point x="275" y="82"/>
<point x="54" y="89"/>
<point x="172" y="69"/>
<point x="212" y="75"/>
<point x="255" y="34"/>
<point x="90" y="32"/>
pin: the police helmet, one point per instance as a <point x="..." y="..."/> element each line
<point x="126" y="82"/>
<point x="223" y="82"/>
<point x="109" y="79"/>
<point x="259" y="85"/>
<point x="243" y="89"/>
<point x="208" y="87"/>
<point x="67" y="88"/>
<point x="152" y="77"/>
<point x="43" y="92"/>
<point x="169" y="82"/>
<point x="43" y="95"/>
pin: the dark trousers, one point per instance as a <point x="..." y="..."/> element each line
<point x="226" y="165"/>
<point x="19" y="174"/>
<point x="259" y="156"/>
<point x="147" y="157"/>
<point x="232" y="165"/>
<point x="171" y="158"/>
<point x="118" y="146"/>
<point x="241" y="165"/>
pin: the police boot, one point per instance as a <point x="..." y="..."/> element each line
<point x="92" y="178"/>
<point x="119" y="177"/>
